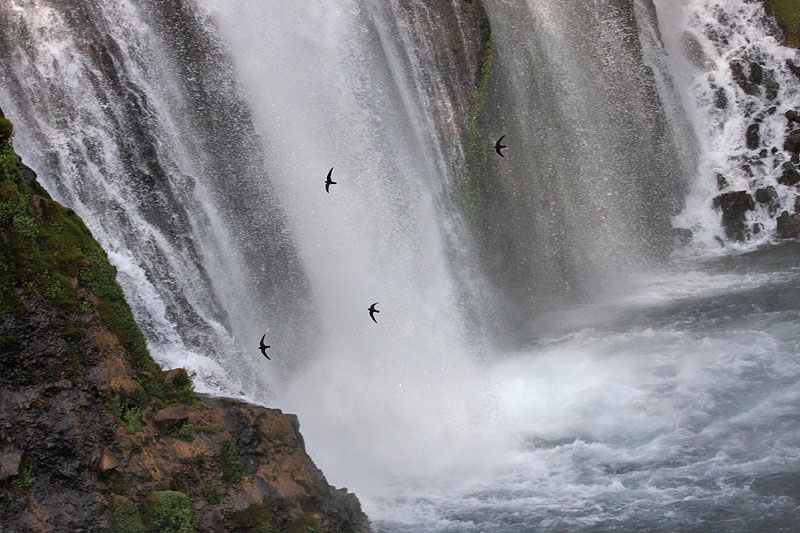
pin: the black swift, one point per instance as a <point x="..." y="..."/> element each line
<point x="498" y="146"/>
<point x="263" y="347"/>
<point x="372" y="311"/>
<point x="329" y="181"/>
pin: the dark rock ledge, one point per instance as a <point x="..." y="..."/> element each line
<point x="94" y="436"/>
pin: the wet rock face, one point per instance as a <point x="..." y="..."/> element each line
<point x="734" y="206"/>
<point x="788" y="226"/>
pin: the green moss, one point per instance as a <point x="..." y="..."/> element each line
<point x="171" y="511"/>
<point x="787" y="13"/>
<point x="127" y="518"/>
<point x="470" y="196"/>
<point x="232" y="469"/>
<point x="257" y="518"/>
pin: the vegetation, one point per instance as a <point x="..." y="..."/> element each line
<point x="127" y="518"/>
<point x="187" y="430"/>
<point x="25" y="479"/>
<point x="170" y="511"/>
<point x="211" y="494"/>
<point x="255" y="519"/>
<point x="126" y="415"/>
<point x="304" y="524"/>
<point x="787" y="13"/>
<point x="232" y="469"/>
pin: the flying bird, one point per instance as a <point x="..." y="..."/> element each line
<point x="372" y="311"/>
<point x="263" y="347"/>
<point x="329" y="181"/>
<point x="498" y="146"/>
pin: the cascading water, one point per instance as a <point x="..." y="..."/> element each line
<point x="738" y="83"/>
<point x="194" y="138"/>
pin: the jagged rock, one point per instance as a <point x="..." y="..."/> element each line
<point x="797" y="204"/>
<point x="742" y="79"/>
<point x="788" y="226"/>
<point x="722" y="181"/>
<point x="793" y="116"/>
<point x="106" y="461"/>
<point x="734" y="205"/>
<point x="766" y="195"/>
<point x="792" y="142"/>
<point x="756" y="73"/>
<point x="790" y="175"/>
<point x="793" y="68"/>
<point x="753" y="136"/>
<point x="9" y="464"/>
<point x="721" y="98"/>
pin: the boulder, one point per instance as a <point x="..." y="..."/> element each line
<point x="790" y="175"/>
<point x="169" y="417"/>
<point x="106" y="461"/>
<point x="766" y="195"/>
<point x="9" y="464"/>
<point x="788" y="226"/>
<point x="792" y="142"/>
<point x="734" y="205"/>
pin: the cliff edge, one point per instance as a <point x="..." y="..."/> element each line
<point x="94" y="436"/>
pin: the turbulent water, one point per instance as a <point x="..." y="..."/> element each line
<point x="637" y="384"/>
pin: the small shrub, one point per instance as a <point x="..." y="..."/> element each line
<point x="25" y="479"/>
<point x="127" y="416"/>
<point x="183" y="388"/>
<point x="171" y="512"/>
<point x="85" y="307"/>
<point x="232" y="469"/>
<point x="6" y="130"/>
<point x="200" y="462"/>
<point x="127" y="518"/>
<point x="255" y="519"/>
<point x="304" y="524"/>
<point x="184" y="431"/>
<point x="211" y="494"/>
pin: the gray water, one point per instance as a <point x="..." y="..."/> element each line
<point x="637" y="384"/>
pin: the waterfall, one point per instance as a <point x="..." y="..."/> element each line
<point x="593" y="173"/>
<point x="536" y="348"/>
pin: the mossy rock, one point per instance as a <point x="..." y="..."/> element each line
<point x="787" y="13"/>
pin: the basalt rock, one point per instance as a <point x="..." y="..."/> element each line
<point x="734" y="206"/>
<point x="93" y="438"/>
<point x="766" y="195"/>
<point x="790" y="175"/>
<point x="788" y="226"/>
<point x="792" y="142"/>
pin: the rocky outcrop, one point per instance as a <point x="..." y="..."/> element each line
<point x="94" y="436"/>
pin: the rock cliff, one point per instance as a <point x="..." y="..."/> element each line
<point x="94" y="436"/>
